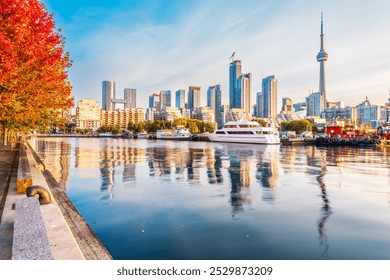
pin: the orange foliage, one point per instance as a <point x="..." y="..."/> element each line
<point x="34" y="84"/>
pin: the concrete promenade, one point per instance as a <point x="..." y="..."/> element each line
<point x="70" y="237"/>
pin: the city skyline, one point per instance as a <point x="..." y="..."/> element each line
<point x="162" y="47"/>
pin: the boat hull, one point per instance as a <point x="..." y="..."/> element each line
<point x="173" y="138"/>
<point x="264" y="140"/>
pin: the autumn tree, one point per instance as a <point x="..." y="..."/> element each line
<point x="298" y="126"/>
<point x="34" y="86"/>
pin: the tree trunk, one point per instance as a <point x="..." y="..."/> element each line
<point x="5" y="138"/>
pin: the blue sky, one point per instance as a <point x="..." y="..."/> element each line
<point x="156" y="45"/>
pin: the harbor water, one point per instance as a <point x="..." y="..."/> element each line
<point x="156" y="199"/>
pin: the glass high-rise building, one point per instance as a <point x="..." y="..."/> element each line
<point x="270" y="95"/>
<point x="130" y="95"/>
<point x="214" y="101"/>
<point x="314" y="104"/>
<point x="234" y="72"/>
<point x="154" y="101"/>
<point x="244" y="92"/>
<point x="240" y="88"/>
<point x="165" y="99"/>
<point x="108" y="95"/>
<point x="259" y="105"/>
<point x="180" y="98"/>
<point x="193" y="98"/>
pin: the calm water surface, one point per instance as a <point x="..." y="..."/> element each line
<point x="199" y="200"/>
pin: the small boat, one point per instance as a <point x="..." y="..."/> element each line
<point x="250" y="132"/>
<point x="180" y="133"/>
<point x="106" y="135"/>
<point x="142" y="135"/>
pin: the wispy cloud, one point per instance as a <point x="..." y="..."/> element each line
<point x="171" y="45"/>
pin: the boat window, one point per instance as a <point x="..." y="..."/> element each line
<point x="220" y="132"/>
<point x="230" y="126"/>
<point x="240" y="132"/>
<point x="259" y="132"/>
<point x="247" y="125"/>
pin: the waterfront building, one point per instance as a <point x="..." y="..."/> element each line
<point x="168" y="114"/>
<point x="88" y="114"/>
<point x="322" y="56"/>
<point x="314" y="104"/>
<point x="130" y="98"/>
<point x="154" y="101"/>
<point x="244" y="92"/>
<point x="259" y="105"/>
<point x="336" y="113"/>
<point x="122" y="117"/>
<point x="224" y="113"/>
<point x="193" y="98"/>
<point x="108" y="94"/>
<point x="180" y="98"/>
<point x="287" y="106"/>
<point x="237" y="114"/>
<point x="109" y="100"/>
<point x="214" y="99"/>
<point x="301" y="106"/>
<point x="270" y="95"/>
<point x="186" y="113"/>
<point x="240" y="87"/>
<point x="385" y="111"/>
<point x="366" y="112"/>
<point x="205" y="114"/>
<point x="335" y="104"/>
<point x="165" y="99"/>
<point x="234" y="72"/>
<point x="150" y="114"/>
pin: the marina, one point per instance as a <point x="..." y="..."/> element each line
<point x="151" y="199"/>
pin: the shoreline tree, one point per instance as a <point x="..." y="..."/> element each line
<point x="34" y="86"/>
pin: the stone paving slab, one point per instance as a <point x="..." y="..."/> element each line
<point x="30" y="241"/>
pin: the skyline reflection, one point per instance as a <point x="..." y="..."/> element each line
<point x="280" y="193"/>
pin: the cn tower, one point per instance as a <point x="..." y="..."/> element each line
<point x="322" y="56"/>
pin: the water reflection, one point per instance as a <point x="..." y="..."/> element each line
<point x="191" y="191"/>
<point x="317" y="159"/>
<point x="56" y="156"/>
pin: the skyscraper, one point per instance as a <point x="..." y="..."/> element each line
<point x="270" y="95"/>
<point x="193" y="98"/>
<point x="108" y="94"/>
<point x="259" y="105"/>
<point x="180" y="98"/>
<point x="322" y="56"/>
<point x="130" y="95"/>
<point x="154" y="101"/>
<point x="234" y="72"/>
<point x="165" y="99"/>
<point x="214" y="97"/>
<point x="240" y="87"/>
<point x="244" y="92"/>
<point x="314" y="103"/>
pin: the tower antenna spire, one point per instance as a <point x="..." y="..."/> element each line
<point x="232" y="56"/>
<point x="322" y="31"/>
<point x="322" y="56"/>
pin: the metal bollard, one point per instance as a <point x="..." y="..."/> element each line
<point x="44" y="195"/>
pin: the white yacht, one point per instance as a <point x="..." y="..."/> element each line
<point x="245" y="132"/>
<point x="180" y="133"/>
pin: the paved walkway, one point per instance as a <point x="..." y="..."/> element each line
<point x="8" y="168"/>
